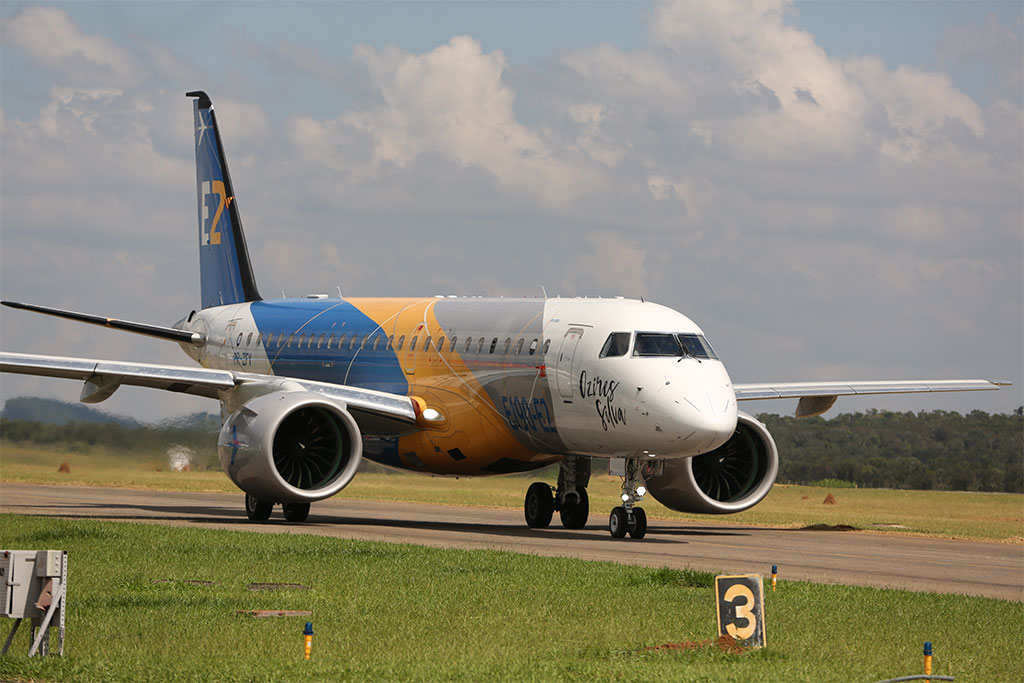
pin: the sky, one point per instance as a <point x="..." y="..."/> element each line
<point x="831" y="190"/>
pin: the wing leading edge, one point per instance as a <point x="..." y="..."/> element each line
<point x="818" y="397"/>
<point x="378" y="413"/>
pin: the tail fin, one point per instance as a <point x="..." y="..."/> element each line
<point x="225" y="272"/>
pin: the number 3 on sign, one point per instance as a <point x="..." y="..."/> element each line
<point x="741" y="608"/>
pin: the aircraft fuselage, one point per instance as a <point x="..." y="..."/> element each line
<point x="521" y="382"/>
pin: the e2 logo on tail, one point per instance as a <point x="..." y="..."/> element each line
<point x="212" y="188"/>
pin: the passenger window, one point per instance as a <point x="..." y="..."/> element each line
<point x="480" y="346"/>
<point x="248" y="340"/>
<point x="352" y="344"/>
<point x="376" y="342"/>
<point x="469" y="343"/>
<point x="451" y="347"/>
<point x="341" y="341"/>
<point x="505" y="348"/>
<point x="309" y="344"/>
<point x="494" y="345"/>
<point x="519" y="346"/>
<point x="291" y="338"/>
<point x="617" y="344"/>
<point x="426" y="343"/>
<point x="440" y="344"/>
<point x="391" y="339"/>
<point x="302" y="338"/>
<point x="320" y="341"/>
<point x="533" y="347"/>
<point x="363" y="344"/>
<point x="330" y="340"/>
<point x="412" y="344"/>
<point x="547" y="345"/>
<point x="401" y="342"/>
<point x="238" y="342"/>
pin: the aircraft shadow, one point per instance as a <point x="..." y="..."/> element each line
<point x="234" y="516"/>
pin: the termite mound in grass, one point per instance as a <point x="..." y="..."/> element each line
<point x="724" y="643"/>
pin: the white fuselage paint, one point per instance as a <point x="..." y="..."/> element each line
<point x="628" y="405"/>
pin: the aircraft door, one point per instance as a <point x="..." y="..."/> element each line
<point x="565" y="356"/>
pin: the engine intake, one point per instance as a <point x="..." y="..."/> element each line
<point x="735" y="476"/>
<point x="290" y="447"/>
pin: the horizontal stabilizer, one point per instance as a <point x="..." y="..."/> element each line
<point x="171" y="333"/>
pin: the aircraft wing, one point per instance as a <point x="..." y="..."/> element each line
<point x="818" y="397"/>
<point x="377" y="413"/>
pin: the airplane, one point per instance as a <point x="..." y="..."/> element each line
<point x="464" y="386"/>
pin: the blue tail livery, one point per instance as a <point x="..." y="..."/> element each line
<point x="225" y="272"/>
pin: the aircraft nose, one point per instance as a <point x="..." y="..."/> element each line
<point x="710" y="414"/>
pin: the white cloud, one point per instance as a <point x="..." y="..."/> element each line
<point x="49" y="37"/>
<point x="450" y="102"/>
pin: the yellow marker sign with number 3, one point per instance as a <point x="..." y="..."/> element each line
<point x="741" y="608"/>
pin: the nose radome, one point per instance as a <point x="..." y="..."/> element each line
<point x="711" y="415"/>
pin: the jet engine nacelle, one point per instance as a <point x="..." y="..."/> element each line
<point x="735" y="476"/>
<point x="290" y="447"/>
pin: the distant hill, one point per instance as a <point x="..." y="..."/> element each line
<point x="53" y="412"/>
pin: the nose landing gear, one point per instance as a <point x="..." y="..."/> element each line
<point x="627" y="518"/>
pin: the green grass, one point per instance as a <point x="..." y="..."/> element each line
<point x="399" y="612"/>
<point x="950" y="514"/>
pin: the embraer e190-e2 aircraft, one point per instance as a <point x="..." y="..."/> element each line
<point x="453" y="385"/>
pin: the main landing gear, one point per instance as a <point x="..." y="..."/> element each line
<point x="627" y="518"/>
<point x="259" y="509"/>
<point x="569" y="499"/>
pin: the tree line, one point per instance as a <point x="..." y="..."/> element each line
<point x="938" y="450"/>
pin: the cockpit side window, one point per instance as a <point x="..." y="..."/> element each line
<point x="617" y="344"/>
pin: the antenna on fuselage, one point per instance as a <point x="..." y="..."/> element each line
<point x="340" y="296"/>
<point x="543" y="292"/>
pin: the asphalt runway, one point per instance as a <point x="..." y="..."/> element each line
<point x="858" y="558"/>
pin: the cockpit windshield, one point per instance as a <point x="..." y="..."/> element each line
<point x="661" y="344"/>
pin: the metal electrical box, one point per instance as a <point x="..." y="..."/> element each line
<point x="33" y="585"/>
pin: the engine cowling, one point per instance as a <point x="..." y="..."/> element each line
<point x="290" y="447"/>
<point x="735" y="476"/>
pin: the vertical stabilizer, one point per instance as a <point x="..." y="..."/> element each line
<point x="225" y="272"/>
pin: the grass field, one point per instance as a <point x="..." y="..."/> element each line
<point x="988" y="516"/>
<point x="395" y="612"/>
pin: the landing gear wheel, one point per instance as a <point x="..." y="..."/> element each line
<point x="296" y="512"/>
<point x="257" y="509"/>
<point x="575" y="510"/>
<point x="637" y="523"/>
<point x="617" y="522"/>
<point x="539" y="505"/>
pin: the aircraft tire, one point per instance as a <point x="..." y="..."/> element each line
<point x="296" y="512"/>
<point x="539" y="505"/>
<point x="574" y="515"/>
<point x="636" y="524"/>
<point x="257" y="509"/>
<point x="617" y="522"/>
